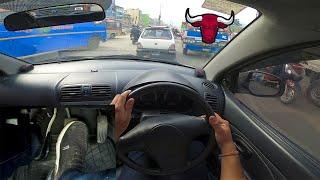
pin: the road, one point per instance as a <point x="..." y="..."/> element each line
<point x="299" y="121"/>
<point x="123" y="45"/>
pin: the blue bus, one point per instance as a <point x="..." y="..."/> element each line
<point x="43" y="40"/>
<point x="193" y="41"/>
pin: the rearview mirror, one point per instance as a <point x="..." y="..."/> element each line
<point x="263" y="84"/>
<point x="54" y="16"/>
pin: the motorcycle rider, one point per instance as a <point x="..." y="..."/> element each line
<point x="135" y="32"/>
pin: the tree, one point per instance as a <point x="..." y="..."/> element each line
<point x="236" y="27"/>
<point x="145" y="20"/>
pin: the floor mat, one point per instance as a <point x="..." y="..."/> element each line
<point x="99" y="157"/>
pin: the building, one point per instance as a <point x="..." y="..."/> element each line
<point x="111" y="11"/>
<point x="223" y="6"/>
<point x="119" y="13"/>
<point x="127" y="21"/>
<point x="135" y="15"/>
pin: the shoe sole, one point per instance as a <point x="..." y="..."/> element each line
<point x="64" y="130"/>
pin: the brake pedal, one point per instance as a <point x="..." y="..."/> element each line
<point x="102" y="128"/>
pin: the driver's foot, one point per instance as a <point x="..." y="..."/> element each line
<point x="71" y="148"/>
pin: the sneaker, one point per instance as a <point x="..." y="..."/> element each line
<point x="71" y="148"/>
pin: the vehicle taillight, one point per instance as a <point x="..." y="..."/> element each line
<point x="172" y="47"/>
<point x="139" y="45"/>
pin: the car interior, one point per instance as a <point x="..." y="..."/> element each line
<point x="169" y="98"/>
<point x="22" y="123"/>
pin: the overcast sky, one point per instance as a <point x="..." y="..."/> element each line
<point x="172" y="11"/>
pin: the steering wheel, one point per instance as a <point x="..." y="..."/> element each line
<point x="165" y="139"/>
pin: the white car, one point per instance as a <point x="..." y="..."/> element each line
<point x="157" y="42"/>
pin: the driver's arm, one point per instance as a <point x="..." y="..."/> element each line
<point x="231" y="168"/>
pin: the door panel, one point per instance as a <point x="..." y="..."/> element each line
<point x="272" y="152"/>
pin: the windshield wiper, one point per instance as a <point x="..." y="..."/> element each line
<point x="126" y="57"/>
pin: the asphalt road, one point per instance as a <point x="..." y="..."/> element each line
<point x="123" y="45"/>
<point x="300" y="121"/>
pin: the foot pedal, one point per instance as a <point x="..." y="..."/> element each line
<point x="102" y="128"/>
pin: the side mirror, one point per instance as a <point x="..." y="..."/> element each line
<point x="264" y="84"/>
<point x="54" y="16"/>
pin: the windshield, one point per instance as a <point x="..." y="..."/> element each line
<point x="156" y="30"/>
<point x="156" y="34"/>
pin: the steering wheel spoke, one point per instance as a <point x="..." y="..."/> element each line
<point x="132" y="141"/>
<point x="197" y="127"/>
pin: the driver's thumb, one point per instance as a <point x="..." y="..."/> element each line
<point x="214" y="122"/>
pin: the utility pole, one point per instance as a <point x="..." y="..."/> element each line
<point x="159" y="23"/>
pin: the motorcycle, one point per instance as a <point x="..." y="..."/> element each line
<point x="313" y="92"/>
<point x="293" y="73"/>
<point x="134" y="39"/>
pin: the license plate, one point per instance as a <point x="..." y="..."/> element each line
<point x="155" y="54"/>
<point x="206" y="50"/>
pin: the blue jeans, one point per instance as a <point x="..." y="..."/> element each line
<point x="20" y="159"/>
<point x="77" y="175"/>
<point x="199" y="172"/>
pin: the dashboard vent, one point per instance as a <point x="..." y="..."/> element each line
<point x="209" y="85"/>
<point x="212" y="101"/>
<point x="70" y="92"/>
<point x="101" y="91"/>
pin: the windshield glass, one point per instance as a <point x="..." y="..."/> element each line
<point x="156" y="34"/>
<point x="159" y="30"/>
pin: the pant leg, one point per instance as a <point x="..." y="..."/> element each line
<point x="199" y="172"/>
<point x="20" y="159"/>
<point x="78" y="175"/>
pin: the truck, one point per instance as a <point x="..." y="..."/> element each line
<point x="114" y="28"/>
<point x="192" y="40"/>
<point x="51" y="39"/>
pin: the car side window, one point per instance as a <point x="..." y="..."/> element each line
<point x="284" y="91"/>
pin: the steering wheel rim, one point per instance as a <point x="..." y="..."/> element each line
<point x="174" y="127"/>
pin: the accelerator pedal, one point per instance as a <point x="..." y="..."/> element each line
<point x="102" y="128"/>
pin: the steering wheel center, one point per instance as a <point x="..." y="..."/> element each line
<point x="163" y="135"/>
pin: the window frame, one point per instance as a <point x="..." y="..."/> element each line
<point x="229" y="81"/>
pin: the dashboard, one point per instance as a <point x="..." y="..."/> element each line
<point x="96" y="82"/>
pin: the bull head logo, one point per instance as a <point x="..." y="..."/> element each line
<point x="209" y="24"/>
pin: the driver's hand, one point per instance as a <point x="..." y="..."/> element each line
<point x="223" y="133"/>
<point x="123" y="109"/>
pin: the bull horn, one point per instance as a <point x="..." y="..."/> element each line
<point x="227" y="21"/>
<point x="191" y="19"/>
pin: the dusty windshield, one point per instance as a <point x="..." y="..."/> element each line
<point x="187" y="32"/>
